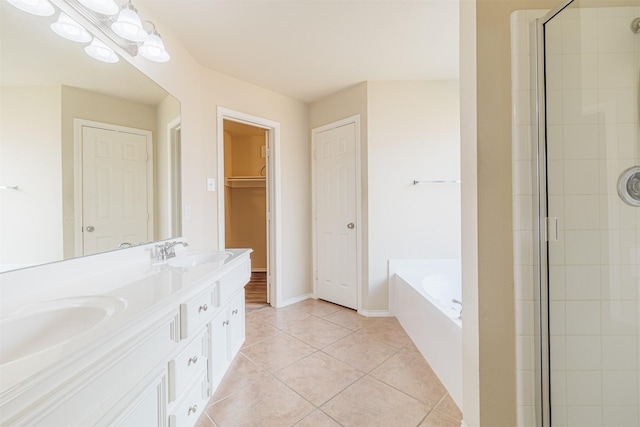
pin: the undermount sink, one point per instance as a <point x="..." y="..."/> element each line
<point x="198" y="258"/>
<point x="48" y="324"/>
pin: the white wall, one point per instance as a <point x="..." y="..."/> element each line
<point x="413" y="134"/>
<point x="30" y="157"/>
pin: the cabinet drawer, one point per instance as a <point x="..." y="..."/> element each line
<point x="229" y="284"/>
<point x="195" y="313"/>
<point x="189" y="410"/>
<point x="188" y="364"/>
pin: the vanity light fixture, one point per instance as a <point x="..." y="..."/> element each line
<point x="70" y="29"/>
<point x="153" y="47"/>
<point x="129" y="25"/>
<point x="104" y="7"/>
<point x="34" y="7"/>
<point x="100" y="51"/>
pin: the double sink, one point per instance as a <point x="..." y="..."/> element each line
<point x="39" y="327"/>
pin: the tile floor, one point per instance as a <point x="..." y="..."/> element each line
<point x="318" y="364"/>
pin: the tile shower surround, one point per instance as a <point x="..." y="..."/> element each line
<point x="594" y="301"/>
<point x="320" y="364"/>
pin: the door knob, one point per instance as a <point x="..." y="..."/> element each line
<point x="90" y="228"/>
<point x="351" y="226"/>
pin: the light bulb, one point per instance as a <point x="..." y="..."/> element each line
<point x="105" y="7"/>
<point x="34" y="7"/>
<point x="153" y="48"/>
<point x="70" y="29"/>
<point x="100" y="51"/>
<point x="128" y="25"/>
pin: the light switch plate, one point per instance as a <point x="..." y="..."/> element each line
<point x="211" y="184"/>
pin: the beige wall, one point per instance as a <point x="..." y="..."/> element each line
<point x="413" y="134"/>
<point x="489" y="351"/>
<point x="30" y="157"/>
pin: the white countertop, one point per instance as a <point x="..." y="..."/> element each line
<point x="147" y="289"/>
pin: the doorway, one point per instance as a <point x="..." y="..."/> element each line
<point x="245" y="200"/>
<point x="248" y="205"/>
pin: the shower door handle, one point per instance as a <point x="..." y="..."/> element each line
<point x="552" y="229"/>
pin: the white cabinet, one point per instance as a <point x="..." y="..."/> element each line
<point x="227" y="336"/>
<point x="157" y="367"/>
<point x="236" y="327"/>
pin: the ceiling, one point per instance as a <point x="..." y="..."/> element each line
<point x="307" y="49"/>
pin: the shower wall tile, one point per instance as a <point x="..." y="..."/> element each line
<point x="584" y="352"/>
<point x="580" y="176"/>
<point x="582" y="247"/>
<point x="580" y="142"/>
<point x="556" y="151"/>
<point x="619" y="282"/>
<point x="526" y="388"/>
<point x="614" y="34"/>
<point x="582" y="282"/>
<point x="558" y="362"/>
<point x="582" y="212"/>
<point x="557" y="278"/>
<point x="616" y="70"/>
<point x="574" y="39"/>
<point x="579" y="106"/>
<point x="619" y="388"/>
<point x="620" y="415"/>
<point x="619" y="318"/>
<point x="583" y="388"/>
<point x="557" y="318"/>
<point x="578" y="71"/>
<point x="584" y="416"/>
<point x="582" y="317"/>
<point x="620" y="105"/>
<point x="619" y="353"/>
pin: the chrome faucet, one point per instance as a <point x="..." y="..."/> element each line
<point x="167" y="250"/>
<point x="455" y="301"/>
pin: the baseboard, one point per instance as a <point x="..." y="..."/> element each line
<point x="295" y="300"/>
<point x="258" y="270"/>
<point x="375" y="313"/>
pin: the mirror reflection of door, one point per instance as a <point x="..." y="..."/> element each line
<point x="115" y="189"/>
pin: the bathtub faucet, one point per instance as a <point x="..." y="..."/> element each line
<point x="455" y="301"/>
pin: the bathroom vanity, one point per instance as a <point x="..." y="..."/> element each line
<point x="145" y="345"/>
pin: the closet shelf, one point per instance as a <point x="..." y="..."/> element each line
<point x="245" y="181"/>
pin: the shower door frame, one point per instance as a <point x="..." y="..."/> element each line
<point x="540" y="216"/>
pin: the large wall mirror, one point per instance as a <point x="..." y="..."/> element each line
<point x="93" y="149"/>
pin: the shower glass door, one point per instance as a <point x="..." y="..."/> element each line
<point x="591" y="65"/>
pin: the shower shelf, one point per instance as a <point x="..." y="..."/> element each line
<point x="245" y="181"/>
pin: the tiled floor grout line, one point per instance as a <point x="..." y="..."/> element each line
<point x="381" y="333"/>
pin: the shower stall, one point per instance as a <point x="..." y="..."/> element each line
<point x="586" y="214"/>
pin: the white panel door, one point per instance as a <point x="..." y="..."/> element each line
<point x="335" y="193"/>
<point x="114" y="189"/>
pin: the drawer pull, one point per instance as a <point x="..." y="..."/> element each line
<point x="203" y="307"/>
<point x="225" y="323"/>
<point x="235" y="311"/>
<point x="193" y="360"/>
<point x="192" y="410"/>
